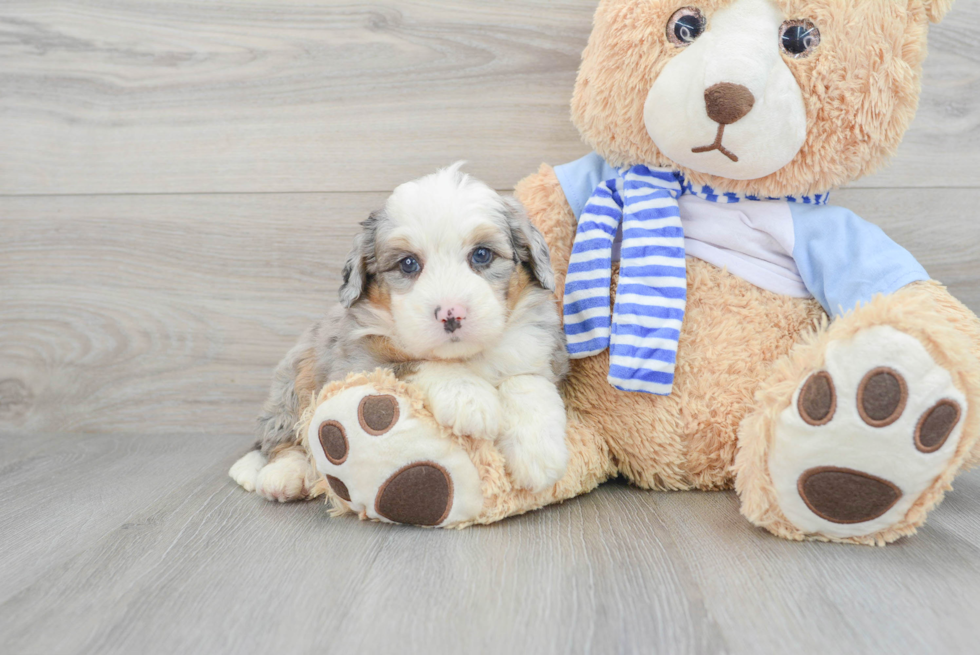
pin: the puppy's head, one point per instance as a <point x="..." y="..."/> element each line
<point x="444" y="259"/>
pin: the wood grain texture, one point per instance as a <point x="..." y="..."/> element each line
<point x="197" y="565"/>
<point x="158" y="313"/>
<point x="179" y="184"/>
<point x="146" y="96"/>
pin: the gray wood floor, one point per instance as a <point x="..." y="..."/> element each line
<point x="178" y="183"/>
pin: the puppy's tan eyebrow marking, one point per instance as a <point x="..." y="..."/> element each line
<point x="393" y="250"/>
<point x="484" y="232"/>
<point x="401" y="243"/>
<point x="490" y="236"/>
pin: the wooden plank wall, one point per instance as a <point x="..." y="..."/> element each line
<point x="180" y="181"/>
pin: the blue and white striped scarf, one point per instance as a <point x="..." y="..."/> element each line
<point x="644" y="326"/>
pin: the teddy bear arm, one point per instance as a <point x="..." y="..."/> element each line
<point x="543" y="199"/>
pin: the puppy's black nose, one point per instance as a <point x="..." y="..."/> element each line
<point x="727" y="103"/>
<point x="451" y="317"/>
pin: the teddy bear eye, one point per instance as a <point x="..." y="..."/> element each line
<point x="798" y="38"/>
<point x="685" y="25"/>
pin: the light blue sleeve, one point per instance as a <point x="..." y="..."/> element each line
<point x="844" y="260"/>
<point x="580" y="178"/>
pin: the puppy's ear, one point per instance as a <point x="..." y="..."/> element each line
<point x="356" y="268"/>
<point x="529" y="243"/>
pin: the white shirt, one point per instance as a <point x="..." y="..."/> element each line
<point x="752" y="240"/>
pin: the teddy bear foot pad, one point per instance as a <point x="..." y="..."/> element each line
<point x="386" y="464"/>
<point x="866" y="436"/>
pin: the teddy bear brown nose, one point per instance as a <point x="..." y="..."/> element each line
<point x="727" y="102"/>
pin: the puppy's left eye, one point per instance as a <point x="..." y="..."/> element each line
<point x="410" y="266"/>
<point x="481" y="257"/>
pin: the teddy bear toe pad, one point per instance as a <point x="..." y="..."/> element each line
<point x="865" y="436"/>
<point x="386" y="464"/>
<point x="419" y="493"/>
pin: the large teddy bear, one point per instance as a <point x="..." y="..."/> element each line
<point x="762" y="339"/>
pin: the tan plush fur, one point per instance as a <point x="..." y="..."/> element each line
<point x="743" y="351"/>
<point x="857" y="110"/>
<point x="685" y="440"/>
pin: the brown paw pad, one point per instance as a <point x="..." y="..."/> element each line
<point x="818" y="399"/>
<point x="882" y="396"/>
<point x="338" y="487"/>
<point x="377" y="414"/>
<point x="419" y="494"/>
<point x="333" y="438"/>
<point x="936" y="425"/>
<point x="842" y="495"/>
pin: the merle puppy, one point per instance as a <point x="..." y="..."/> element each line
<point x="451" y="287"/>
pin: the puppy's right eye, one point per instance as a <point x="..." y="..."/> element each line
<point x="481" y="257"/>
<point x="410" y="266"/>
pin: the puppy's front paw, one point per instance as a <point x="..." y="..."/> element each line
<point x="246" y="470"/>
<point x="536" y="459"/>
<point x="284" y="478"/>
<point x="467" y="407"/>
<point x="533" y="433"/>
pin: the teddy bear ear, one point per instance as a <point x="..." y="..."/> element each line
<point x="936" y="9"/>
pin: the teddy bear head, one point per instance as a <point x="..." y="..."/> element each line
<point x="769" y="97"/>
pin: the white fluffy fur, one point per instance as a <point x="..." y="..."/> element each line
<point x="246" y="469"/>
<point x="739" y="46"/>
<point x="502" y="362"/>
<point x="461" y="400"/>
<point x="499" y="380"/>
<point x="286" y="477"/>
<point x="442" y="221"/>
<point x="533" y="431"/>
<point x="524" y="414"/>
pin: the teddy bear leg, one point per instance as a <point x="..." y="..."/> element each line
<point x="384" y="457"/>
<point x="859" y="431"/>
